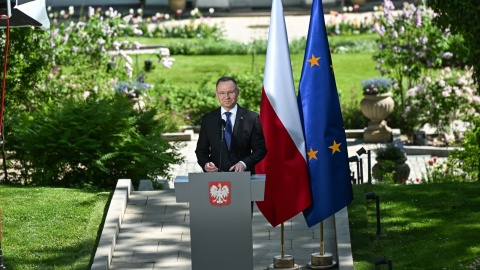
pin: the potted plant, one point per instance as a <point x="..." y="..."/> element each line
<point x="391" y="161"/>
<point x="377" y="104"/>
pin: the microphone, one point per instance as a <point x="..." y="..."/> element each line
<point x="222" y="123"/>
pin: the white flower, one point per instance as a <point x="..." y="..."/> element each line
<point x="139" y="11"/>
<point x="62" y="12"/>
<point x="91" y="11"/>
<point x="136" y="45"/>
<point x="476" y="99"/>
<point x="131" y="11"/>
<point x="128" y="67"/>
<point x="211" y="10"/>
<point x="167" y="16"/>
<point x="165" y="52"/>
<point x="167" y="62"/>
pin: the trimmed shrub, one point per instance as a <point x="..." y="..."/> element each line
<point x="93" y="142"/>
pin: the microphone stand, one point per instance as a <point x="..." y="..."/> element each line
<point x="223" y="123"/>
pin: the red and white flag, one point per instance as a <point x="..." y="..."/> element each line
<point x="287" y="189"/>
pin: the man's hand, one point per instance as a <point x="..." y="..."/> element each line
<point x="210" y="167"/>
<point x="237" y="167"/>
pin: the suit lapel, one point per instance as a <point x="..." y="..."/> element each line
<point x="238" y="120"/>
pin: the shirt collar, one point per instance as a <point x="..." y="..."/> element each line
<point x="233" y="111"/>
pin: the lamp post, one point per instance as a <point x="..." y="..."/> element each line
<point x="383" y="260"/>
<point x="358" y="161"/>
<point x="373" y="196"/>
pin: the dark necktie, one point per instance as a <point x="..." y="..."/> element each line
<point x="228" y="130"/>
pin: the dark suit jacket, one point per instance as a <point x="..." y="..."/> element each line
<point x="248" y="142"/>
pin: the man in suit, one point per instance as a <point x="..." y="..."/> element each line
<point x="247" y="143"/>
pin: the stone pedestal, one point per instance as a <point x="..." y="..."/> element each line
<point x="377" y="108"/>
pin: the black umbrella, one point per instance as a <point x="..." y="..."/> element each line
<point x="25" y="13"/>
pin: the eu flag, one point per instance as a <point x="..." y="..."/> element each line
<point x="321" y="116"/>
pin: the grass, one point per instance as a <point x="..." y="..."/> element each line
<point x="427" y="226"/>
<point x="434" y="226"/>
<point x="188" y="71"/>
<point x="50" y="228"/>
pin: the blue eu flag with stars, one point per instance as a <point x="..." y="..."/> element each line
<point x="326" y="144"/>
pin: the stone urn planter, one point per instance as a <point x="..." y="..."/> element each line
<point x="377" y="108"/>
<point x="175" y="5"/>
<point x="358" y="2"/>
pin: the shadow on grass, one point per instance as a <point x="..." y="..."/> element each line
<point x="428" y="226"/>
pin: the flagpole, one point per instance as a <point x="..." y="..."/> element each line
<point x="322" y="242"/>
<point x="283" y="261"/>
<point x="282" y="241"/>
<point x="321" y="260"/>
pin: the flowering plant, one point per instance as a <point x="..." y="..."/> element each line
<point x="164" y="58"/>
<point x="409" y="45"/>
<point x="131" y="89"/>
<point x="376" y="86"/>
<point x="443" y="100"/>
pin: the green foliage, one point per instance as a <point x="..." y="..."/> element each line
<point x="28" y="64"/>
<point x="444" y="171"/>
<point x="230" y="47"/>
<point x="352" y="115"/>
<point x="192" y="30"/>
<point x="469" y="157"/>
<point x="392" y="151"/>
<point x="92" y="142"/>
<point x="50" y="228"/>
<point x="460" y="17"/>
<point x="250" y="85"/>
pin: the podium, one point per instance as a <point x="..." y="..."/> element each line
<point x="220" y="217"/>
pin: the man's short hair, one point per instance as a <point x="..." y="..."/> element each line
<point x="226" y="79"/>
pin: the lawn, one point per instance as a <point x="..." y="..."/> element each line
<point x="427" y="226"/>
<point x="50" y="228"/>
<point x="189" y="70"/>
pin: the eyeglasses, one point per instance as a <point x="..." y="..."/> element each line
<point x="230" y="93"/>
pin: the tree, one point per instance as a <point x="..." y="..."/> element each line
<point x="461" y="17"/>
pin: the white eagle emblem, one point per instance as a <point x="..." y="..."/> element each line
<point x="219" y="194"/>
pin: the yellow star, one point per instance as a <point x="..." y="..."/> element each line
<point x="335" y="147"/>
<point x="312" y="154"/>
<point x="314" y="61"/>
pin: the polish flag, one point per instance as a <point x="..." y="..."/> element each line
<point x="287" y="188"/>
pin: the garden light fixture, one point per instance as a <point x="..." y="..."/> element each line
<point x="383" y="260"/>
<point x="373" y="196"/>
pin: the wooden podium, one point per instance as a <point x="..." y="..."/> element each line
<point x="220" y="217"/>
